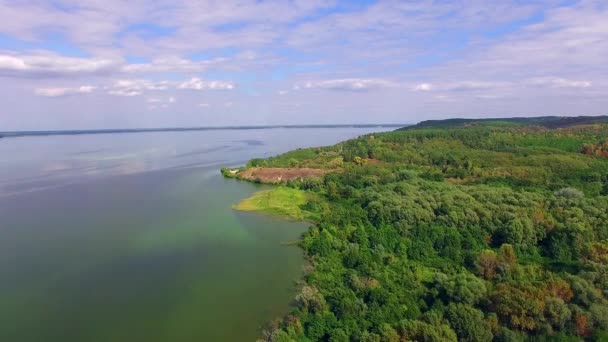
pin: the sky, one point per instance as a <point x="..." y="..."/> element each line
<point x="67" y="64"/>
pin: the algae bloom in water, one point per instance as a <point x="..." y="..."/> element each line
<point x="282" y="201"/>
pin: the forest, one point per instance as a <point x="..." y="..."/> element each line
<point x="466" y="231"/>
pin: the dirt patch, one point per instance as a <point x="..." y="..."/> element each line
<point x="372" y="161"/>
<point x="277" y="175"/>
<point x="461" y="181"/>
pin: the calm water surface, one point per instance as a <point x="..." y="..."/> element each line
<point x="131" y="237"/>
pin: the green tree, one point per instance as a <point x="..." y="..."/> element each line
<point x="460" y="288"/>
<point x="468" y="323"/>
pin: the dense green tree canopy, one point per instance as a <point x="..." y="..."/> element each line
<point x="473" y="233"/>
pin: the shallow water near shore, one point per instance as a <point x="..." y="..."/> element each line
<point x="131" y="237"/>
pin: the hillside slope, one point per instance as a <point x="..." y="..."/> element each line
<point x="473" y="233"/>
<point x="542" y="121"/>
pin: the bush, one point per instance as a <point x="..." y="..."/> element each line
<point x="570" y="193"/>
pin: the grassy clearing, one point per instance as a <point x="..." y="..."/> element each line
<point x="282" y="201"/>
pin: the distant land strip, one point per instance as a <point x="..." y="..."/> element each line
<point x="14" y="134"/>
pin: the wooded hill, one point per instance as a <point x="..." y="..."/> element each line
<point x="542" y="121"/>
<point x="469" y="230"/>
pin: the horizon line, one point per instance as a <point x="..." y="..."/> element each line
<point x="24" y="133"/>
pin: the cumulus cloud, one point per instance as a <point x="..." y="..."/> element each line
<point x="460" y="86"/>
<point x="157" y="102"/>
<point x="542" y="82"/>
<point x="172" y="64"/>
<point x="95" y="24"/>
<point x="48" y="64"/>
<point x="58" y="92"/>
<point x="570" y="41"/>
<point x="423" y="87"/>
<point x="556" y="82"/>
<point x="136" y="87"/>
<point x="435" y="52"/>
<point x="475" y="85"/>
<point x="347" y="84"/>
<point x="442" y="97"/>
<point x="196" y="83"/>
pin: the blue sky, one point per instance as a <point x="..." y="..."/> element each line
<point x="101" y="64"/>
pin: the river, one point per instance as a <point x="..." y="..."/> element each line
<point x="131" y="237"/>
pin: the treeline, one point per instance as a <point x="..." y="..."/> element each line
<point x="543" y="121"/>
<point x="484" y="233"/>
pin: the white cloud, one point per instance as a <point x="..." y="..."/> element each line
<point x="172" y="64"/>
<point x="442" y="97"/>
<point x="156" y="102"/>
<point x="136" y="87"/>
<point x="349" y="84"/>
<point x="423" y="87"/>
<point x="542" y="82"/>
<point x="474" y="85"/>
<point x="570" y="41"/>
<point x="125" y="92"/>
<point x="198" y="84"/>
<point x="422" y="53"/>
<point x="57" y="92"/>
<point x="460" y="86"/>
<point x="556" y="82"/>
<point x="489" y="96"/>
<point x="203" y="105"/>
<point x="48" y="64"/>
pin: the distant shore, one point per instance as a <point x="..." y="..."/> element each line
<point x="14" y="134"/>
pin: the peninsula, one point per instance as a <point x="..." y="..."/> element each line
<point x="468" y="230"/>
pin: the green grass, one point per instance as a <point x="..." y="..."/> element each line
<point x="281" y="201"/>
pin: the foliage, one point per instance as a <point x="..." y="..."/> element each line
<point x="484" y="231"/>
<point x="282" y="201"/>
<point x="468" y="323"/>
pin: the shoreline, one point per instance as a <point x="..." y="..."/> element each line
<point x="35" y="133"/>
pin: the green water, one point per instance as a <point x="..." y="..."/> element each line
<point x="132" y="238"/>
